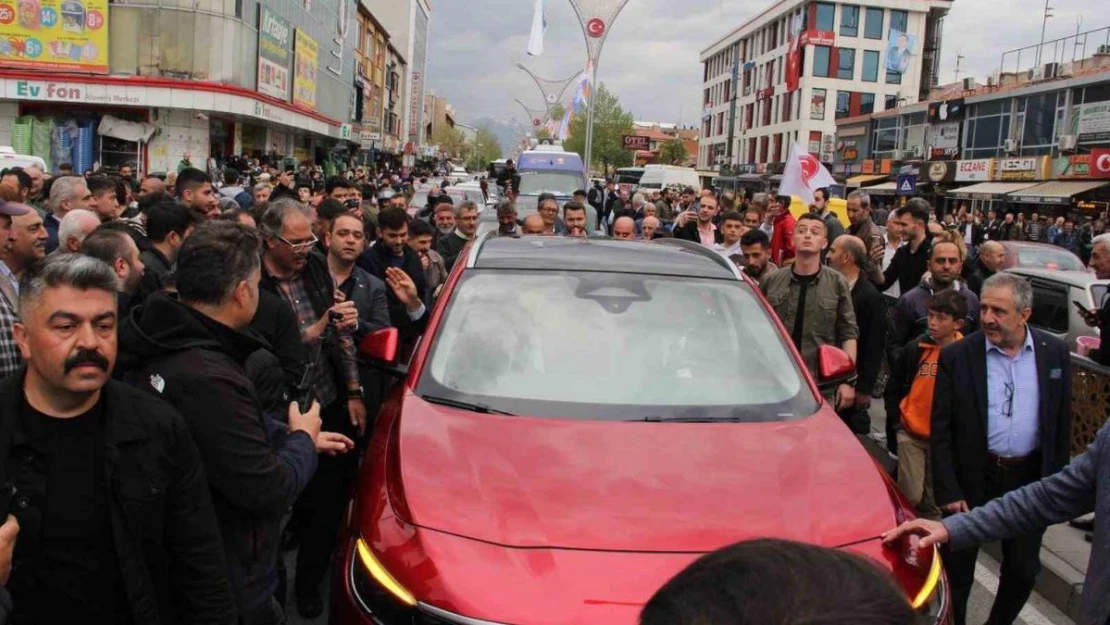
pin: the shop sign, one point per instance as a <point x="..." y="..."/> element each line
<point x="1091" y="122"/>
<point x="817" y="38"/>
<point x="1021" y="169"/>
<point x="944" y="142"/>
<point x="416" y="104"/>
<point x="946" y="111"/>
<point x="978" y="170"/>
<point x="67" y="92"/>
<point x="868" y="167"/>
<point x="885" y="166"/>
<point x="636" y="142"/>
<point x="67" y="36"/>
<point x="275" y="39"/>
<point x="1100" y="163"/>
<point x="941" y="171"/>
<point x="345" y="132"/>
<point x="306" y="61"/>
<point x="1072" y="167"/>
<point x="1037" y="199"/>
<point x="848" y="150"/>
<point x="273" y="113"/>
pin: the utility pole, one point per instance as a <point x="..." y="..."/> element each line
<point x="959" y="59"/>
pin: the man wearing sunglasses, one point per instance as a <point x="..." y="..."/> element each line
<point x="1001" y="419"/>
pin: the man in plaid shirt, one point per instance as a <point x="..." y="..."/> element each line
<point x="300" y="276"/>
<point x="10" y="361"/>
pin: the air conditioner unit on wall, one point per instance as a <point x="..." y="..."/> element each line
<point x="1067" y="143"/>
<point x="1010" y="146"/>
<point x="914" y="151"/>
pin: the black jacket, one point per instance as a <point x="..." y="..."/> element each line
<point x="1102" y="354"/>
<point x="959" y="417"/>
<point x="975" y="274"/>
<point x="907" y="266"/>
<point x="275" y="322"/>
<point x="449" y="247"/>
<point x="375" y="261"/>
<point x="873" y="322"/>
<point x="977" y="233"/>
<point x="255" y="467"/>
<point x="166" y="538"/>
<point x="993" y="230"/>
<point x="689" y="232"/>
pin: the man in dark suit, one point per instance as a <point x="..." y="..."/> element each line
<point x="971" y="232"/>
<point x="1001" y="419"/>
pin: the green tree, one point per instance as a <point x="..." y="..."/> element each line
<point x="449" y="140"/>
<point x="484" y="148"/>
<point x="673" y="152"/>
<point x="611" y="123"/>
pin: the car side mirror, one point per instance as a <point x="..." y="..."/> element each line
<point x="381" y="345"/>
<point x="834" y="367"/>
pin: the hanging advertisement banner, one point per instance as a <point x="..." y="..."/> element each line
<point x="306" y="60"/>
<point x="275" y="38"/>
<point x="55" y="35"/>
<point x="1091" y="122"/>
<point x="899" y="51"/>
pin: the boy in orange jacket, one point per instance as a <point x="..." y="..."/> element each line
<point x="909" y="394"/>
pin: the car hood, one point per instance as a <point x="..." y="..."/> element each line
<point x="661" y="487"/>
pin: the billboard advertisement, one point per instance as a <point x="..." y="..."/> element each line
<point x="899" y="51"/>
<point x="275" y="39"/>
<point x="55" y="35"/>
<point x="1091" y="122"/>
<point x="306" y="61"/>
<point x="635" y="142"/>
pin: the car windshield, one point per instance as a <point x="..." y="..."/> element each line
<point x="607" y="346"/>
<point x="562" y="183"/>
<point x="1048" y="258"/>
<point x="467" y="195"/>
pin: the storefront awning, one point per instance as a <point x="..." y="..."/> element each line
<point x="989" y="189"/>
<point x="1055" y="191"/>
<point x="886" y="188"/>
<point x="859" y="181"/>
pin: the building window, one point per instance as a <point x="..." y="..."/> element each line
<point x="873" y="24"/>
<point x="843" y="101"/>
<point x="870" y="66"/>
<point x="821" y="61"/>
<point x="817" y="105"/>
<point x="866" y="103"/>
<point x="899" y="20"/>
<point x="849" y="21"/>
<point x="890" y="102"/>
<point x="826" y="14"/>
<point x="846" y="63"/>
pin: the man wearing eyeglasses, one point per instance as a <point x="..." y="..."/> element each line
<point x="1001" y="419"/>
<point x="548" y="208"/>
<point x="466" y="224"/>
<point x="301" y="277"/>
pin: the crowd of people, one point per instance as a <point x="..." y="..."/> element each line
<point x="179" y="368"/>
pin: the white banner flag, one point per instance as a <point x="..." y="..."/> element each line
<point x="539" y="27"/>
<point x="803" y="174"/>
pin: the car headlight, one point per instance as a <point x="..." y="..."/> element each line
<point x="377" y="592"/>
<point x="932" y="599"/>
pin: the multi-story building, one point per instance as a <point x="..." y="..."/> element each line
<point x="266" y="78"/>
<point x="438" y="114"/>
<point x="1034" y="141"/>
<point x="370" y="77"/>
<point x="407" y="22"/>
<point x="769" y="82"/>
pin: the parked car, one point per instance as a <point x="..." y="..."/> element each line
<point x="512" y="478"/>
<point x="1040" y="255"/>
<point x="1054" y="292"/>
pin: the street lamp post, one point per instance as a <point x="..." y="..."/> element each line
<point x="1044" y="23"/>
<point x="534" y="115"/>
<point x="596" y="17"/>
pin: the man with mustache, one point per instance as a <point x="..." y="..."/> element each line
<point x="28" y="244"/>
<point x="106" y="478"/>
<point x="301" y="277"/>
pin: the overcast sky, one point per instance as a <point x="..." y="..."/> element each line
<point x="650" y="59"/>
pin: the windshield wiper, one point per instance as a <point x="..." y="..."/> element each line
<point x="658" y="419"/>
<point x="462" y="405"/>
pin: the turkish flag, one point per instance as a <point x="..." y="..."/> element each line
<point x="793" y="68"/>
<point x="803" y="175"/>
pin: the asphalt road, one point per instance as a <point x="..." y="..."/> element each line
<point x="1036" y="612"/>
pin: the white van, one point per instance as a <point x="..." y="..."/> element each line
<point x="659" y="177"/>
<point x="8" y="158"/>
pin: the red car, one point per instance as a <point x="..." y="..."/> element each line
<point x="582" y="420"/>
